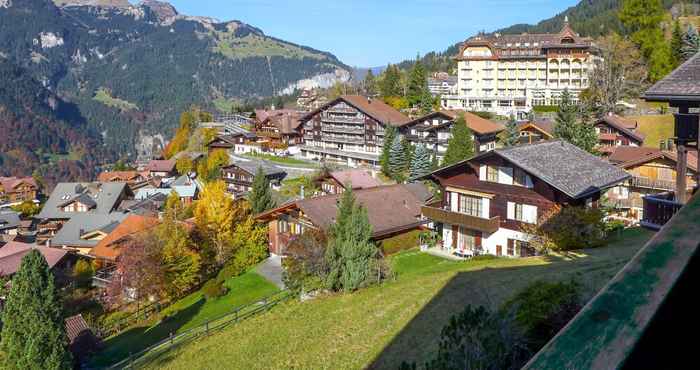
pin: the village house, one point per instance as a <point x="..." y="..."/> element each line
<point x="535" y="131"/>
<point x="434" y="131"/>
<point x="185" y="186"/>
<point x="309" y="100"/>
<point x="109" y="248"/>
<point x="487" y="199"/>
<point x="236" y="143"/>
<point x="392" y="210"/>
<point x="279" y="128"/>
<point x="93" y="202"/>
<point x="653" y="172"/>
<point x="336" y="182"/>
<point x="15" y="190"/>
<point x="614" y="131"/>
<point x="12" y="253"/>
<point x="10" y="223"/>
<point x="82" y="342"/>
<point x="129" y="177"/>
<point x="349" y="130"/>
<point x="239" y="176"/>
<point x="441" y="83"/>
<point x="160" y="168"/>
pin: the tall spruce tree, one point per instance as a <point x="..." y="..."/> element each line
<point x="398" y="161"/>
<point x="417" y="84"/>
<point x="33" y="330"/>
<point x="461" y="144"/>
<point x="642" y="19"/>
<point x="421" y="164"/>
<point x="389" y="135"/>
<point x="261" y="195"/>
<point x="691" y="43"/>
<point x="390" y="83"/>
<point x="510" y="136"/>
<point x="573" y="124"/>
<point x="370" y="84"/>
<point x="350" y="252"/>
<point x="677" y="43"/>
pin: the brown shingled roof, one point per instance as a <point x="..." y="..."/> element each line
<point x="12" y="253"/>
<point x="12" y="182"/>
<point x="624" y="125"/>
<point x="359" y="179"/>
<point x="374" y="108"/>
<point x="118" y="176"/>
<point x="477" y="124"/>
<point x="683" y="84"/>
<point x="631" y="156"/>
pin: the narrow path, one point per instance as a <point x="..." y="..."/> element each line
<point x="271" y="269"/>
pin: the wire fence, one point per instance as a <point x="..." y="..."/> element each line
<point x="238" y="314"/>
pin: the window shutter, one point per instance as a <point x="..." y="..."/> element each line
<point x="505" y="175"/>
<point x="455" y="202"/>
<point x="530" y="214"/>
<point x="482" y="173"/>
<point x="485" y="204"/>
<point x="511" y="211"/>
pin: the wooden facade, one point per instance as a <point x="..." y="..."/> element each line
<point x="17" y="190"/>
<point x="239" y="179"/>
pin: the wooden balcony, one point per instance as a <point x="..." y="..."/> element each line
<point x="658" y="210"/>
<point x="686" y="127"/>
<point x="647" y="183"/>
<point x="437" y="213"/>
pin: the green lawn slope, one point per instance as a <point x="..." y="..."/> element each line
<point x="382" y="326"/>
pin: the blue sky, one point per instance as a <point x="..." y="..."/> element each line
<point x="375" y="32"/>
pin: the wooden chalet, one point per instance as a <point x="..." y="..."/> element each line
<point x="18" y="189"/>
<point x="392" y="210"/>
<point x="279" y="128"/>
<point x="336" y="182"/>
<point x="535" y="131"/>
<point x="681" y="90"/>
<point x="487" y="199"/>
<point x="653" y="172"/>
<point x="614" y="131"/>
<point x="434" y="131"/>
<point x="239" y="176"/>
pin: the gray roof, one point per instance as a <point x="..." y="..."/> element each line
<point x="104" y="195"/>
<point x="79" y="225"/>
<point x="564" y="166"/>
<point x="681" y="84"/>
<point x="9" y="220"/>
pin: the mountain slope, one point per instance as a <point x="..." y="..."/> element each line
<point x="131" y="69"/>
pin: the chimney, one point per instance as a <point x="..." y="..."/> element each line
<point x="369" y="100"/>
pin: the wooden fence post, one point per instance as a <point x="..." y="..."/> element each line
<point x="131" y="360"/>
<point x="171" y="338"/>
<point x="207" y="324"/>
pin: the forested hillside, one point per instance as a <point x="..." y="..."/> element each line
<point x="130" y="70"/>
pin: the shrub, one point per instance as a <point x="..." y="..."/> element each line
<point x="232" y="269"/>
<point x="113" y="319"/>
<point x="567" y="229"/>
<point x="305" y="266"/>
<point x="401" y="242"/>
<point x="545" y="108"/>
<point x="83" y="272"/>
<point x="214" y="288"/>
<point x="543" y="308"/>
<point x="484" y="257"/>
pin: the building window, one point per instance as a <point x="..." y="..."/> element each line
<point x="492" y="174"/>
<point x="519" y="212"/>
<point x="470" y="205"/>
<point x="520" y="177"/>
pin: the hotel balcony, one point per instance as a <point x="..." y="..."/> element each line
<point x="344" y="139"/>
<point x="342" y="119"/>
<point x="436" y="212"/>
<point x="647" y="183"/>
<point x="344" y="129"/>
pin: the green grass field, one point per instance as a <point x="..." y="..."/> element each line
<point x="381" y="326"/>
<point x="189" y="312"/>
<point x="655" y="127"/>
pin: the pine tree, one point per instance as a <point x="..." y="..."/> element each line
<point x="350" y="252"/>
<point x="510" y="136"/>
<point x="33" y="330"/>
<point x="391" y="82"/>
<point x="397" y="159"/>
<point x="565" y="123"/>
<point x="261" y="195"/>
<point x="691" y="43"/>
<point x="677" y="43"/>
<point x="642" y="20"/>
<point x="389" y="135"/>
<point x="417" y="84"/>
<point x="421" y="164"/>
<point x="370" y="84"/>
<point x="461" y="144"/>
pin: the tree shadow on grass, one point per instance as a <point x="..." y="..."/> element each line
<point x="137" y="339"/>
<point x="489" y="287"/>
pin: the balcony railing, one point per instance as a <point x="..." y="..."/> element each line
<point x="343" y="119"/>
<point x="436" y="212"/>
<point x="646" y="183"/>
<point x="104" y="277"/>
<point x="659" y="209"/>
<point x="344" y="129"/>
<point x="687" y="127"/>
<point x="344" y="139"/>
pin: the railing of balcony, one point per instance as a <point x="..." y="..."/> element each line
<point x="342" y="119"/>
<point x="439" y="213"/>
<point x="659" y="209"/>
<point x="343" y="139"/>
<point x="103" y="278"/>
<point x="643" y="182"/>
<point x="341" y="128"/>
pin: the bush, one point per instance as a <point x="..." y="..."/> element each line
<point x="82" y="273"/>
<point x="484" y="257"/>
<point x="401" y="242"/>
<point x="113" y="319"/>
<point x="232" y="269"/>
<point x="542" y="309"/>
<point x="572" y="227"/>
<point x="545" y="108"/>
<point x="214" y="288"/>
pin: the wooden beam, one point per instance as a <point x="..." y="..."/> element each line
<point x="681" y="173"/>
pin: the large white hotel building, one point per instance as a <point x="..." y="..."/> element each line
<point x="509" y="74"/>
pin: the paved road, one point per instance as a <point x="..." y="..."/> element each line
<point x="271" y="269"/>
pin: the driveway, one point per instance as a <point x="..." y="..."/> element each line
<point x="271" y="269"/>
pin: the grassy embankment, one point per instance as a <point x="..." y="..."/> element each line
<point x="381" y="326"/>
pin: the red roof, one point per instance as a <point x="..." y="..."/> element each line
<point x="12" y="182"/>
<point x="118" y="176"/>
<point x="108" y="248"/>
<point x="12" y="253"/>
<point x="359" y="179"/>
<point x="161" y="166"/>
<point x="374" y="108"/>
